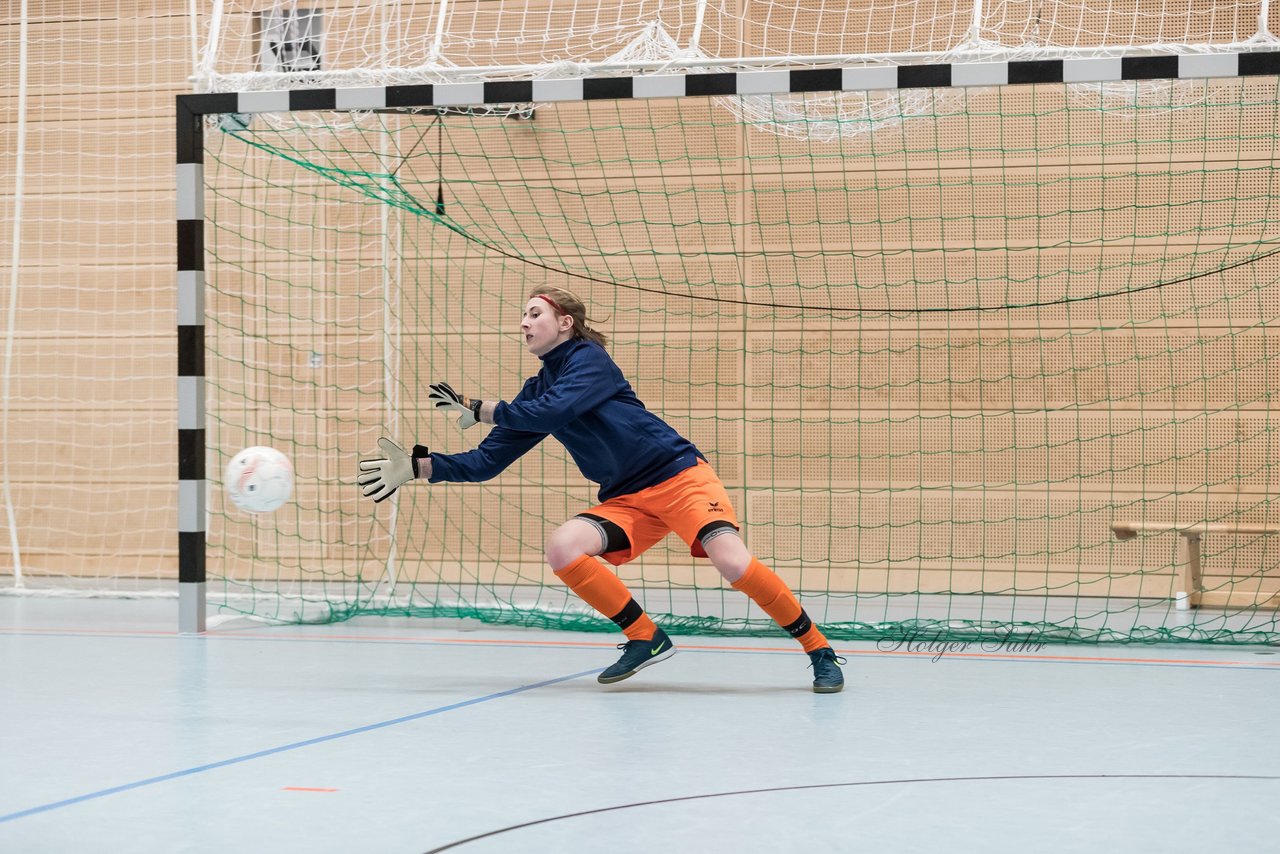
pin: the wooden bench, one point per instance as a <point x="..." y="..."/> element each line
<point x="1191" y="591"/>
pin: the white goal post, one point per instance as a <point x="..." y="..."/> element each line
<point x="194" y="110"/>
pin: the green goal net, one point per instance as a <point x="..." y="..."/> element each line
<point x="938" y="344"/>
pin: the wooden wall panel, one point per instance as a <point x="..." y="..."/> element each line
<point x="68" y="301"/>
<point x="106" y="52"/>
<point x="75" y="515"/>
<point x="1019" y="126"/>
<point x="992" y="541"/>
<point x="645" y="137"/>
<point x="88" y="437"/>
<point x="801" y="28"/>
<point x="58" y="11"/>
<point x="1082" y="25"/>
<point x="1071" y="287"/>
<point x="885" y="445"/>
<point x="86" y="375"/>
<point x="942" y="372"/>
<point x="87" y="229"/>
<point x="1227" y="454"/>
<point x="70" y="157"/>
<point x="1003" y="209"/>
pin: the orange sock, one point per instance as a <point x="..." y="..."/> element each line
<point x="605" y="592"/>
<point x="766" y="589"/>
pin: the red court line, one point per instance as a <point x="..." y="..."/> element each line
<point x="871" y="653"/>
<point x="305" y="789"/>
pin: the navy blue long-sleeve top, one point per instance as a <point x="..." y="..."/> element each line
<point x="582" y="399"/>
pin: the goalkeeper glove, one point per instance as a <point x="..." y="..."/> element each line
<point x="444" y="397"/>
<point x="380" y="478"/>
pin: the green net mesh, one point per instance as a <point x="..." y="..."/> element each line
<point x="935" y="349"/>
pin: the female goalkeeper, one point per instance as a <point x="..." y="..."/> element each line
<point x="652" y="481"/>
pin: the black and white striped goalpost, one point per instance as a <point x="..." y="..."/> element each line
<point x="192" y="110"/>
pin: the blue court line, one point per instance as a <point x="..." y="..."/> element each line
<point x="187" y="772"/>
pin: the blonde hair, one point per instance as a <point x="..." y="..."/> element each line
<point x="564" y="303"/>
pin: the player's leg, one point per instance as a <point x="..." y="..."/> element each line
<point x="572" y="550"/>
<point x="701" y="513"/>
<point x="747" y="574"/>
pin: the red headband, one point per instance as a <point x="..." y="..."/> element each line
<point x="551" y="303"/>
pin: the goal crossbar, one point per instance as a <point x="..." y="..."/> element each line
<point x="193" y="109"/>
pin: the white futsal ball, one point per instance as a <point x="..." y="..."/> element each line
<point x="259" y="479"/>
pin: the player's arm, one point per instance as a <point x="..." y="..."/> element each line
<point x="495" y="453"/>
<point x="380" y="477"/>
<point x="588" y="381"/>
<point x="470" y="410"/>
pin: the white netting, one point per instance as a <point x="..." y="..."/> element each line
<point x="86" y="188"/>
<point x="86" y="180"/>
<point x="372" y="42"/>
<point x="376" y="43"/>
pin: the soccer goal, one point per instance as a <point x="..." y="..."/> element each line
<point x="941" y="308"/>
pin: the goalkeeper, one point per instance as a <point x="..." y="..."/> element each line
<point x="652" y="481"/>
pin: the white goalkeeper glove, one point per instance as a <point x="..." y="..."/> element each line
<point x="444" y="397"/>
<point x="380" y="478"/>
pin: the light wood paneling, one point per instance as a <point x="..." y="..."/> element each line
<point x="1078" y="287"/>
<point x="1053" y="125"/>
<point x="1084" y="25"/>
<point x="800" y="28"/>
<point x="1225" y="454"/>
<point x="55" y="12"/>
<point x="865" y="452"/>
<point x="1000" y="209"/>
<point x="87" y="375"/>
<point x="95" y="568"/>
<point x="93" y="229"/>
<point x="100" y="53"/>
<point x="68" y="301"/>
<point x="94" y="442"/>
<point x="939" y="372"/>
<point x="991" y="541"/>
<point x="74" y="514"/>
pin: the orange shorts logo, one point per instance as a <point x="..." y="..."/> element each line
<point x="684" y="504"/>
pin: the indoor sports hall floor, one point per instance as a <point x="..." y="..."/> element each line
<point x="118" y="735"/>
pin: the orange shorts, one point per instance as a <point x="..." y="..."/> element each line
<point x="685" y="503"/>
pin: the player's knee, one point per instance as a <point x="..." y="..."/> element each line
<point x="561" y="552"/>
<point x="724" y="546"/>
<point x="569" y="542"/>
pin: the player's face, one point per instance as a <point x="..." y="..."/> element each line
<point x="543" y="329"/>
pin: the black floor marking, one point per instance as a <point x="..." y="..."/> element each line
<point x="523" y="825"/>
